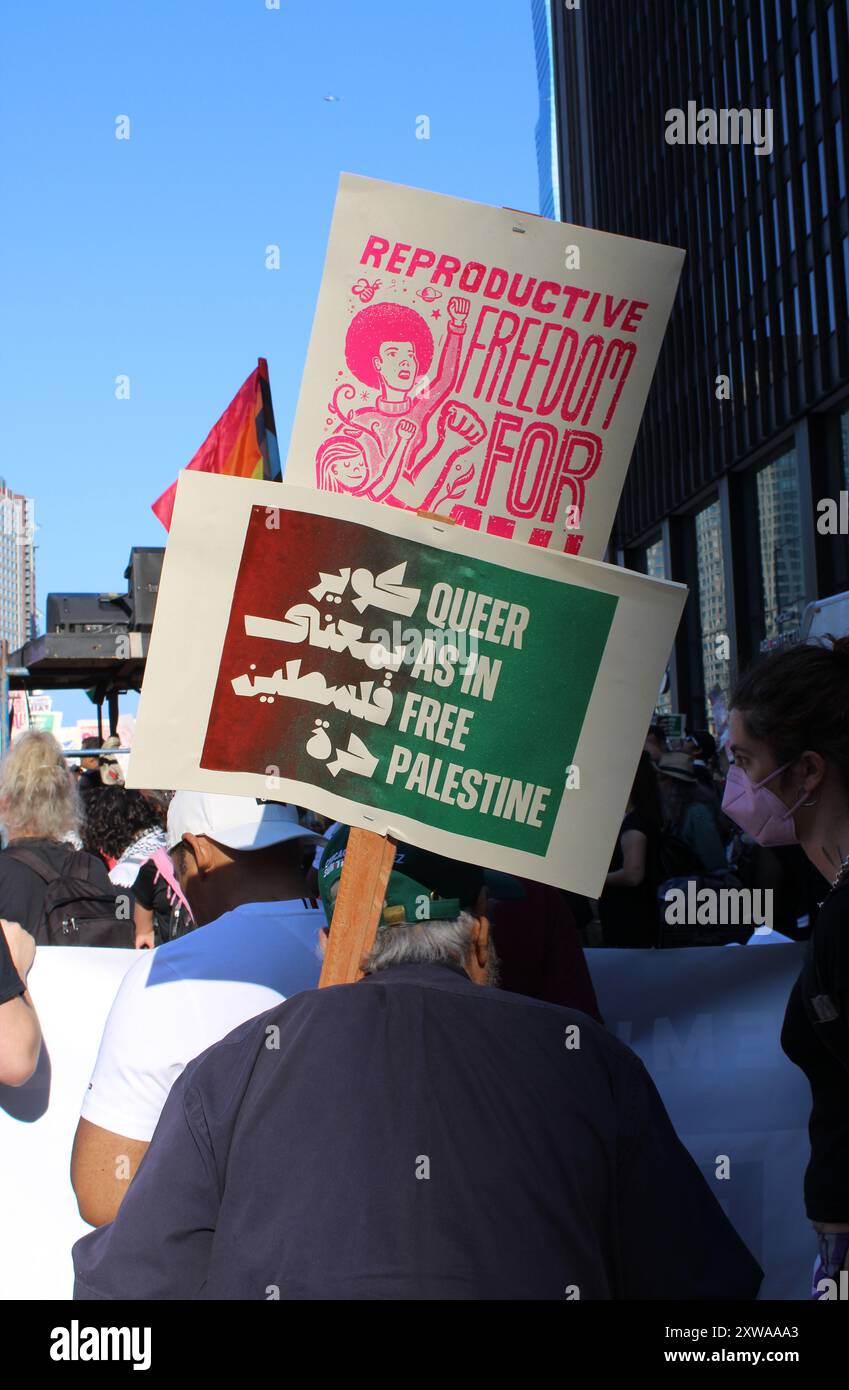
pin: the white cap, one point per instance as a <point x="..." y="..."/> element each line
<point x="239" y="822"/>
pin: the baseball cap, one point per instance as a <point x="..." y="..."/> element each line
<point x="422" y="886"/>
<point x="239" y="822"/>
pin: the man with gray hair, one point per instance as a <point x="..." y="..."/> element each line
<point x="417" y="1135"/>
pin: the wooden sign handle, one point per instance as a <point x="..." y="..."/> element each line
<point x="437" y="516"/>
<point x="362" y="891"/>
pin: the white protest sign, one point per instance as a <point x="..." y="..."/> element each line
<point x="488" y="365"/>
<point x="483" y="699"/>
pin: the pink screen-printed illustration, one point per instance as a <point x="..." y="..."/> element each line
<point x="407" y="448"/>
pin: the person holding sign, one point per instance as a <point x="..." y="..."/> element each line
<point x="417" y="1135"/>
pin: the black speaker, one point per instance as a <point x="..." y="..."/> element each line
<point x="87" y="613"/>
<point x="142" y="575"/>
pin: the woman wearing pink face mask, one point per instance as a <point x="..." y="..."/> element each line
<point x="789" y="737"/>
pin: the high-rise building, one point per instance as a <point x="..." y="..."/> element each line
<point x="746" y="428"/>
<point x="546" y="131"/>
<point x="17" y="568"/>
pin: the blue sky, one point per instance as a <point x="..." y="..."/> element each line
<point x="146" y="256"/>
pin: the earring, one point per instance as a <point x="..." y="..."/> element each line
<point x="808" y="803"/>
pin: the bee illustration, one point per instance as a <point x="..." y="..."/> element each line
<point x="364" y="291"/>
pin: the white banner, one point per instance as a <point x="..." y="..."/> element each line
<point x="704" y="1021"/>
<point x="72" y="989"/>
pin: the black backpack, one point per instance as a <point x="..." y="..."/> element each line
<point x="78" y="910"/>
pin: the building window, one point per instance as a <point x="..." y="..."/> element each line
<point x="807" y="197"/>
<point x="780" y="537"/>
<point x="832" y="44"/>
<point x="815" y="67"/>
<point x="823" y="184"/>
<point x="791" y="225"/>
<point x="655" y="567"/>
<point x="764" y="44"/>
<point x="749" y="264"/>
<point x="841" y="159"/>
<point x="844" y="441"/>
<point x="731" y="187"/>
<point x="655" y="562"/>
<point x="829" y="285"/>
<point x="763" y="245"/>
<point x="713" y="616"/>
<point x="799" y="97"/>
<point x="784" y="121"/>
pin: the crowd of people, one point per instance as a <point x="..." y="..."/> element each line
<point x="434" y="1130"/>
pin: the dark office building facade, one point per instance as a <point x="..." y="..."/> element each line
<point x="746" y="429"/>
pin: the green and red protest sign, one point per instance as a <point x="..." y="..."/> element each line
<point x="483" y="699"/>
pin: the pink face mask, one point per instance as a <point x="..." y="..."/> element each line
<point x="759" y="811"/>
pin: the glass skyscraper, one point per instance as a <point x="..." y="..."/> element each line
<point x="546" y="131"/>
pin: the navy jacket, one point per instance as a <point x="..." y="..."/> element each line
<point x="416" y="1136"/>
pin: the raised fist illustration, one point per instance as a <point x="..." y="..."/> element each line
<point x="459" y="310"/>
<point x="466" y="423"/>
<point x="406" y="429"/>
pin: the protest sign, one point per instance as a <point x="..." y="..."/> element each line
<point x="485" y="700"/>
<point x="674" y="726"/>
<point x="489" y="365"/>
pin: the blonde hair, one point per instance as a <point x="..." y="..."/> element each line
<point x="37" y="794"/>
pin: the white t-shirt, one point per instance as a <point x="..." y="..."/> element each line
<point x="186" y="995"/>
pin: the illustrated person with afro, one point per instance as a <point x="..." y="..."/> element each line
<point x="384" y="451"/>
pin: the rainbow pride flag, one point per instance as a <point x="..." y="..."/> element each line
<point x="243" y="441"/>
